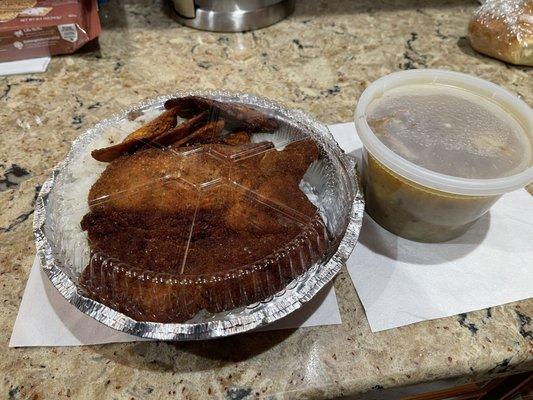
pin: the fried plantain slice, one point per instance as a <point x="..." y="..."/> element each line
<point x="186" y="106"/>
<point x="146" y="133"/>
<point x="208" y="133"/>
<point x="237" y="116"/>
<point x="182" y="131"/>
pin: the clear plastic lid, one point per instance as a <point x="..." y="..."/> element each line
<point x="448" y="131"/>
<point x="198" y="206"/>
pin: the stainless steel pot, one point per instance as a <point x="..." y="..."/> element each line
<point x="230" y="15"/>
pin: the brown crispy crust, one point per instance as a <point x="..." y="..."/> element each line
<point x="236" y="138"/>
<point x="146" y="296"/>
<point x="222" y="233"/>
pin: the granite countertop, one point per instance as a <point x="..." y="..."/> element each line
<point x="320" y="60"/>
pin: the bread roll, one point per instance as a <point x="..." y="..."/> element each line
<point x="503" y="29"/>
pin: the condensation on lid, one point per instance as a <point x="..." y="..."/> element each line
<point x="450" y="130"/>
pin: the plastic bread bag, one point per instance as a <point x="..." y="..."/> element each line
<point x="503" y="29"/>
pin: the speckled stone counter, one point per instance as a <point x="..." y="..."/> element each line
<point x="320" y="59"/>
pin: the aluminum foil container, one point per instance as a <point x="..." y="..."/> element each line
<point x="331" y="186"/>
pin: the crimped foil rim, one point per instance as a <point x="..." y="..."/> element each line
<point x="298" y="292"/>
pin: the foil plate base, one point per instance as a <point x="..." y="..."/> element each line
<point x="227" y="323"/>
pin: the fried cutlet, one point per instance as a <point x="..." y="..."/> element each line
<point x="213" y="226"/>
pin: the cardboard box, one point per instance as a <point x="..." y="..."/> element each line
<point x="30" y="28"/>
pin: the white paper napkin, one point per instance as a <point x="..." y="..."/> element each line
<point x="31" y="65"/>
<point x="401" y="282"/>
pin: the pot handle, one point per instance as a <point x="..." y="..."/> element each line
<point x="186" y="8"/>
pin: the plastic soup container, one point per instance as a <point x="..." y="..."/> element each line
<point x="439" y="148"/>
